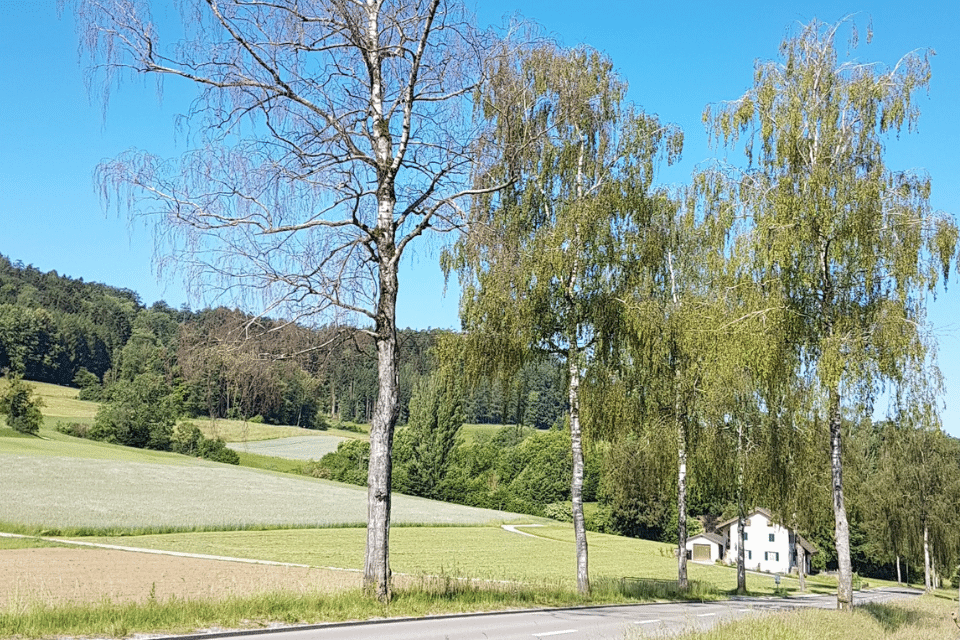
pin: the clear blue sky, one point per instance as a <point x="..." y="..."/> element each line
<point x="677" y="57"/>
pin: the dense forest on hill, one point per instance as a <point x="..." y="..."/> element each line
<point x="225" y="363"/>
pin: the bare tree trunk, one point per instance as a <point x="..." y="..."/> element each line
<point x="842" y="527"/>
<point x="576" y="487"/>
<point x="899" y="581"/>
<point x="927" y="577"/>
<point x="741" y="512"/>
<point x="376" y="576"/>
<point x="741" y="553"/>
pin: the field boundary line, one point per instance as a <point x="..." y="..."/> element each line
<point x="179" y="554"/>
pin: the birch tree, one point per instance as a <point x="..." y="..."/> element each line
<point x="535" y="264"/>
<point x="327" y="136"/>
<point x="855" y="243"/>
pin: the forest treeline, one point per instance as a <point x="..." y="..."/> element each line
<point x="223" y="363"/>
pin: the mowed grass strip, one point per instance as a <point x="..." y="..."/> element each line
<point x="58" y="482"/>
<point x="247" y="431"/>
<point x="312" y="447"/>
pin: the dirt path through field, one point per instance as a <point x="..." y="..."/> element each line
<point x="58" y="575"/>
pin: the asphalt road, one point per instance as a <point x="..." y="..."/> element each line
<point x="594" y="623"/>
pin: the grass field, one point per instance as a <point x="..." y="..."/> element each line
<point x="488" y="552"/>
<point x="59" y="482"/>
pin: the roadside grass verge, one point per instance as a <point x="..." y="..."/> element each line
<point x="417" y="596"/>
<point x="259" y="611"/>
<point x="923" y="618"/>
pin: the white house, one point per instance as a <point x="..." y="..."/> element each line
<point x="706" y="547"/>
<point x="768" y="546"/>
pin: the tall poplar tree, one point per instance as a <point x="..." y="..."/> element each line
<point x="854" y="243"/>
<point x="535" y="263"/>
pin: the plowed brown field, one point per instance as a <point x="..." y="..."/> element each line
<point x="60" y="575"/>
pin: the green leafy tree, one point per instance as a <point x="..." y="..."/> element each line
<point x="138" y="413"/>
<point x="428" y="441"/>
<point x="534" y="267"/>
<point x="854" y="243"/>
<point x="21" y="412"/>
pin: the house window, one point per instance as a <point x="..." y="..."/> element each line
<point x="749" y="555"/>
<point x="772" y="538"/>
<point x="744" y="535"/>
<point x="771" y="555"/>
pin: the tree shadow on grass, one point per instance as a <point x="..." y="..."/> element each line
<point x="892" y="618"/>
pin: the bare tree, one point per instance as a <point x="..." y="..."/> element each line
<point x="327" y="135"/>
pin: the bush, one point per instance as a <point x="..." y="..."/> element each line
<point x="75" y="429"/>
<point x="561" y="511"/>
<point x="186" y="439"/>
<point x="349" y="463"/>
<point x="139" y="413"/>
<point x="217" y="451"/>
<point x="89" y="385"/>
<point x="21" y="412"/>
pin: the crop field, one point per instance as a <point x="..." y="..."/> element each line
<point x="62" y="482"/>
<point x="312" y="447"/>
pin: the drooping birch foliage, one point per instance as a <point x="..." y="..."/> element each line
<point x="536" y="264"/>
<point x="853" y="243"/>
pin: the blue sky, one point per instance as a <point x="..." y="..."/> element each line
<point x="677" y="57"/>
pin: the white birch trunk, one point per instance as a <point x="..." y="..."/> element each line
<point x="927" y="577"/>
<point x="376" y="576"/>
<point x="682" y="505"/>
<point x="576" y="486"/>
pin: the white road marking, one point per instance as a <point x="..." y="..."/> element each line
<point x="646" y="621"/>
<point x="513" y="528"/>
<point x="553" y="633"/>
<point x="705" y="615"/>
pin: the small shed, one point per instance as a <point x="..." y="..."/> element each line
<point x="705" y="547"/>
